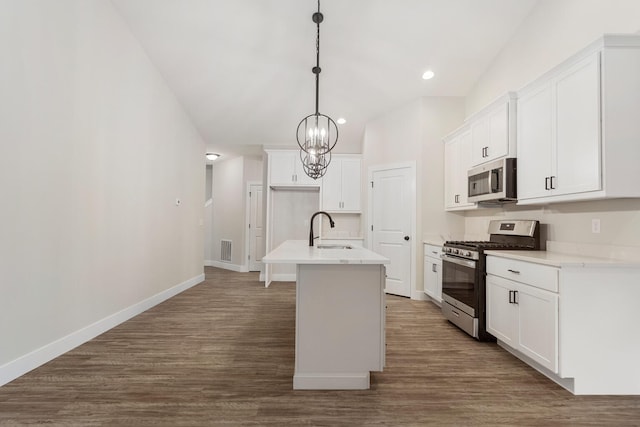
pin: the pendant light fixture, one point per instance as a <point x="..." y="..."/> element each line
<point x="317" y="133"/>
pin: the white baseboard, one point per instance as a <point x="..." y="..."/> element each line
<point x="227" y="266"/>
<point x="331" y="381"/>
<point x="20" y="366"/>
<point x="282" y="277"/>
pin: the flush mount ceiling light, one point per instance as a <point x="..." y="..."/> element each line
<point x="317" y="133"/>
<point x="428" y="75"/>
<point x="212" y="156"/>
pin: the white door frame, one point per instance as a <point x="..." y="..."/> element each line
<point x="412" y="174"/>
<point x="247" y="216"/>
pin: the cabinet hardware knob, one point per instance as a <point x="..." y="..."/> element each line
<point x="406" y="238"/>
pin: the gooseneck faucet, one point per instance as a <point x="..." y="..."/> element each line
<point x="333" y="224"/>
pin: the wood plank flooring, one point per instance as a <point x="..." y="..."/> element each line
<point x="222" y="353"/>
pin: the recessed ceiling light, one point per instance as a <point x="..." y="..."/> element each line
<point x="428" y="75"/>
<point x="212" y="156"/>
<point x="342" y="121"/>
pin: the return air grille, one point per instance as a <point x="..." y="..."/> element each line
<point x="225" y="250"/>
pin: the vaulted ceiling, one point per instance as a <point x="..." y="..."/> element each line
<point x="242" y="68"/>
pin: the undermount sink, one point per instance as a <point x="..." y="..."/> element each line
<point x="333" y="246"/>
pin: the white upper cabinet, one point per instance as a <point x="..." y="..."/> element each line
<point x="457" y="159"/>
<point x="559" y="124"/>
<point x="578" y="131"/>
<point x="285" y="169"/>
<point x="493" y="131"/>
<point x="341" y="184"/>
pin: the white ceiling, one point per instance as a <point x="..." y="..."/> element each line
<point x="242" y="68"/>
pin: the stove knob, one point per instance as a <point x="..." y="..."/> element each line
<point x="468" y="254"/>
<point x="456" y="251"/>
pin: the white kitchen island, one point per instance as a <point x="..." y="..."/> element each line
<point x="340" y="314"/>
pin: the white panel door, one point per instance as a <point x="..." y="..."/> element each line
<point x="391" y="220"/>
<point x="256" y="235"/>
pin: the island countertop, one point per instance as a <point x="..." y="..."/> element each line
<point x="299" y="252"/>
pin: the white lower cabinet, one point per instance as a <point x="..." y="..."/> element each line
<point x="525" y="318"/>
<point x="572" y="318"/>
<point x="433" y="272"/>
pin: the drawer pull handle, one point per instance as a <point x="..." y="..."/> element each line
<point x="434" y="252"/>
<point x="513" y="271"/>
<point x="455" y="313"/>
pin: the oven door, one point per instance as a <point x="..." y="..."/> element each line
<point x="460" y="284"/>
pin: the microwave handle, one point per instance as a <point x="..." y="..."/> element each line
<point x="494" y="178"/>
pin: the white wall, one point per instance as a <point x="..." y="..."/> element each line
<point x="95" y="150"/>
<point x="440" y="116"/>
<point x="554" y="31"/>
<point x="414" y="132"/>
<point x="228" y="208"/>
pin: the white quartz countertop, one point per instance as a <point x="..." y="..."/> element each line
<point x="559" y="259"/>
<point x="299" y="252"/>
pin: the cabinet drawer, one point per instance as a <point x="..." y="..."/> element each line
<point x="540" y="276"/>
<point x="432" y="251"/>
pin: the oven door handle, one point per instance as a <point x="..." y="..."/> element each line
<point x="459" y="261"/>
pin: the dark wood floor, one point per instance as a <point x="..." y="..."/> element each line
<point x="222" y="353"/>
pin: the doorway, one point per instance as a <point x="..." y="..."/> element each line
<point x="392" y="224"/>
<point x="255" y="235"/>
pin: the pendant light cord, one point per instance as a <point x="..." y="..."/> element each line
<point x="317" y="69"/>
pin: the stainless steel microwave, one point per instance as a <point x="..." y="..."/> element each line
<point x="493" y="182"/>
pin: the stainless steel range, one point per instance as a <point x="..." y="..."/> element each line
<point x="464" y="273"/>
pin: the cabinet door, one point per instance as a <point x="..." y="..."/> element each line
<point x="281" y="168"/>
<point x="433" y="278"/>
<point x="450" y="173"/>
<point x="480" y="136"/>
<point x="535" y="138"/>
<point x="577" y="150"/>
<point x="538" y="325"/>
<point x="502" y="315"/>
<point x="464" y="163"/>
<point x="498" y="145"/>
<point x="490" y="135"/>
<point x="351" y="184"/>
<point x="302" y="178"/>
<point x="332" y="187"/>
<point x="457" y="160"/>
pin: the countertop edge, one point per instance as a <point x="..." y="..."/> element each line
<point x="560" y="260"/>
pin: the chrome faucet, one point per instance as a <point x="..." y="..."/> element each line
<point x="311" y="238"/>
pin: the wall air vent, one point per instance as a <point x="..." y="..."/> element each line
<point x="225" y="250"/>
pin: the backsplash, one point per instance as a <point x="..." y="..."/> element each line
<point x="569" y="222"/>
<point x="346" y="226"/>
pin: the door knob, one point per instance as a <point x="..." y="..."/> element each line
<point x="406" y="237"/>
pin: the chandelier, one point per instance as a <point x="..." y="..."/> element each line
<point x="317" y="133"/>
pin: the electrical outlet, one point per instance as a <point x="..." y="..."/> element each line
<point x="595" y="225"/>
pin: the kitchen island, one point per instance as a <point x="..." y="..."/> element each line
<point x="340" y="313"/>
